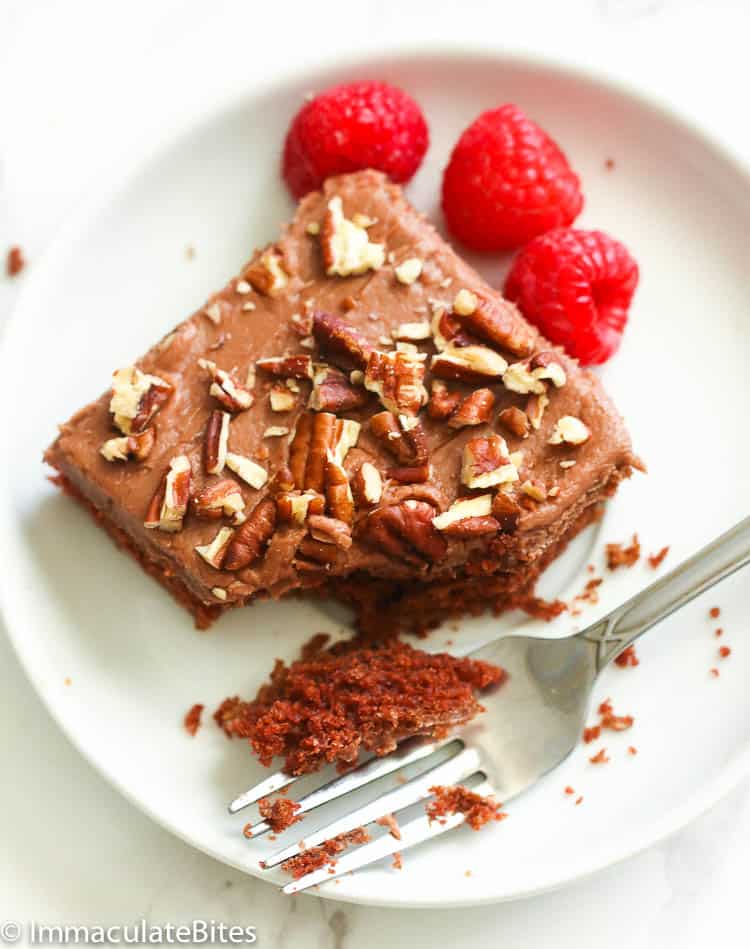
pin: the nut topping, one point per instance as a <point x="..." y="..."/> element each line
<point x="407" y="443"/>
<point x="398" y="380"/>
<point x="220" y="499"/>
<point x="368" y="485"/>
<point x="343" y="344"/>
<point x="333" y="392"/>
<point x="506" y="510"/>
<point x="244" y="468"/>
<point x="267" y="275"/>
<point x="469" y="364"/>
<point x="535" y="489"/>
<point x="569" y="429"/>
<point x="497" y="322"/>
<point x="225" y="389"/>
<point x="515" y="421"/>
<point x="330" y="530"/>
<point x="406" y="531"/>
<point x="480" y="506"/>
<point x="470" y="527"/>
<point x="274" y="431"/>
<point x="442" y="403"/>
<point x="214" y="552"/>
<point x="251" y="538"/>
<point x="530" y="375"/>
<point x="136" y="398"/>
<point x="409" y="271"/>
<point x="486" y="463"/>
<point x="465" y="303"/>
<point x="546" y="365"/>
<point x="287" y="367"/>
<point x="347" y="249"/>
<point x="414" y="474"/>
<point x="338" y="492"/>
<point x="169" y="504"/>
<point x="413" y="332"/>
<point x="476" y="409"/>
<point x="535" y="407"/>
<point x="293" y="507"/>
<point x="215" y="442"/>
<point x="136" y="446"/>
<point x="316" y="434"/>
<point x="281" y="399"/>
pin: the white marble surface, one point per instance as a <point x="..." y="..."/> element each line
<point x="78" y="80"/>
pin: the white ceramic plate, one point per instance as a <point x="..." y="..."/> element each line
<point x="118" y="278"/>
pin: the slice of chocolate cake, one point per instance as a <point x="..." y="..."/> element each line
<point x="357" y="413"/>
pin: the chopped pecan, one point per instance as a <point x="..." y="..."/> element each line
<point x="346" y="246"/>
<point x="283" y="480"/>
<point x="215" y="552"/>
<point x="136" y="398"/>
<point x="546" y="365"/>
<point x="253" y="474"/>
<point x="293" y="507"/>
<point x="315" y="555"/>
<point x="333" y="392"/>
<point x="532" y="374"/>
<point x="535" y="406"/>
<point x="136" y="446"/>
<point x="225" y="389"/>
<point x="486" y="463"/>
<point x="169" y="503"/>
<point x="417" y="492"/>
<point x="406" y="442"/>
<point x="497" y="322"/>
<point x="267" y="274"/>
<point x="464" y="509"/>
<point x="316" y="434"/>
<point x="215" y="442"/>
<point x="367" y="485"/>
<point x="414" y="474"/>
<point x="330" y="530"/>
<point x="281" y="398"/>
<point x="406" y="531"/>
<point x="398" y="379"/>
<point x="535" y="489"/>
<point x="571" y="430"/>
<point x="447" y="332"/>
<point x="515" y="421"/>
<point x="215" y="500"/>
<point x="250" y="540"/>
<point x="469" y="364"/>
<point x="442" y="403"/>
<point x="343" y="344"/>
<point x="408" y="270"/>
<point x="473" y="527"/>
<point x="507" y="511"/>
<point x="475" y="409"/>
<point x="338" y="492"/>
<point x="413" y="332"/>
<point x="465" y="303"/>
<point x="298" y="366"/>
<point x="301" y="324"/>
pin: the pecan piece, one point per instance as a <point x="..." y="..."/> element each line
<point x="398" y="380"/>
<point x="535" y="407"/>
<point x="535" y="489"/>
<point x="464" y="509"/>
<point x="570" y="430"/>
<point x="496" y="321"/>
<point x="507" y="511"/>
<point x="406" y="442"/>
<point x="346" y="246"/>
<point x="486" y="463"/>
<point x="447" y="332"/>
<point x="316" y="434"/>
<point x="406" y="531"/>
<point x="314" y="555"/>
<point x="442" y="403"/>
<point x="476" y="409"/>
<point x="413" y="474"/>
<point x="136" y="446"/>
<point x="333" y="392"/>
<point x="225" y="389"/>
<point x="515" y="421"/>
<point x="293" y="507"/>
<point x="338" y="492"/>
<point x="169" y="503"/>
<point x="136" y="398"/>
<point x="215" y="552"/>
<point x="469" y="364"/>
<point x="250" y="539"/>
<point x="251" y="473"/>
<point x="215" y="442"/>
<point x="298" y="366"/>
<point x="532" y="374"/>
<point x="344" y="345"/>
<point x="219" y="499"/>
<point x="330" y="530"/>
<point x="367" y="485"/>
<point x="267" y="274"/>
<point x="473" y="527"/>
<point x="281" y="398"/>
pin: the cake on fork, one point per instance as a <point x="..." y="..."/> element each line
<point x="357" y="414"/>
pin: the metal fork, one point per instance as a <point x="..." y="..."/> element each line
<point x="532" y="721"/>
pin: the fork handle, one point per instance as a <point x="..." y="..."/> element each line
<point x="717" y="560"/>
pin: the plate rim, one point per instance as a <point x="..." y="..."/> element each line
<point x="138" y="153"/>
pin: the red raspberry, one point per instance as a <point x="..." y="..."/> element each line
<point x="507" y="182"/>
<point x="347" y="128"/>
<point x="576" y="286"/>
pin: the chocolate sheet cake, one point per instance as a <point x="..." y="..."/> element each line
<point x="357" y="413"/>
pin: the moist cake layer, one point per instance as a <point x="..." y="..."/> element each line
<point x="383" y="315"/>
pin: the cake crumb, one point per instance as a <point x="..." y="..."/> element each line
<point x="539" y="608"/>
<point x="15" y="261"/>
<point x="192" y="720"/>
<point x="569" y="790"/>
<point x="627" y="658"/>
<point x="389" y="821"/>
<point x="398" y="863"/>
<point x="189" y="252"/>
<point x="317" y="857"/>
<point x="609" y="164"/>
<point x="279" y="814"/>
<point x="718" y="632"/>
<point x="714" y="673"/>
<point x="618" y="555"/>
<point x="725" y="652"/>
<point x="632" y="750"/>
<point x="578" y="800"/>
<point x="656" y="560"/>
<point x="600" y="757"/>
<point x="455" y="799"/>
<point x="67" y="681"/>
<point x="714" y="612"/>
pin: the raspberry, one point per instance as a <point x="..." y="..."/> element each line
<point x="576" y="286"/>
<point x="507" y="182"/>
<point x="347" y="128"/>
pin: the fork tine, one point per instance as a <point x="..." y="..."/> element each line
<point x="272" y="783"/>
<point x="372" y="769"/>
<point x="453" y="771"/>
<point x="414" y="832"/>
